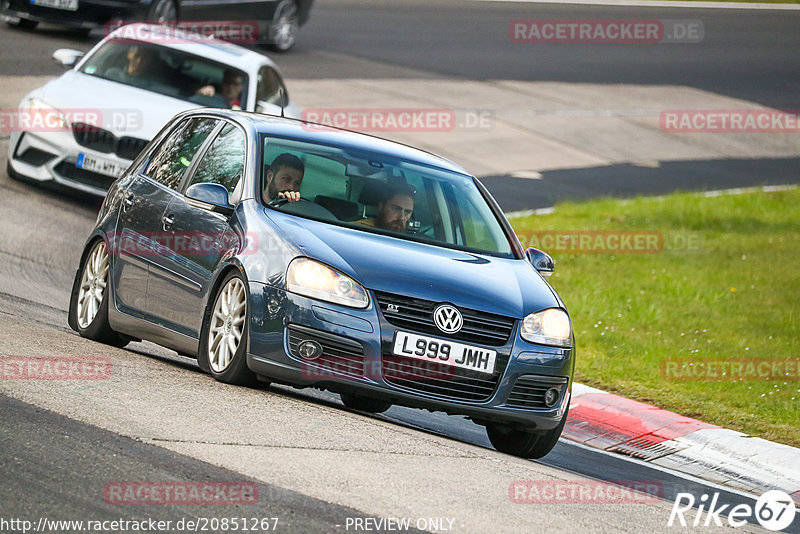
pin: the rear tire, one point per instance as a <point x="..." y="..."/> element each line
<point x="223" y="341"/>
<point x="162" y="12"/>
<point x="364" y="404"/>
<point x="91" y="304"/>
<point x="525" y="443"/>
<point x="285" y="26"/>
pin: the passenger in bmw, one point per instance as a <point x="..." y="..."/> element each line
<point x="284" y="177"/>
<point x="394" y="210"/>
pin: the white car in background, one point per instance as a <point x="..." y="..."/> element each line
<point x="83" y="129"/>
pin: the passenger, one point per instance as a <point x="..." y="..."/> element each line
<point x="395" y="210"/>
<point x="230" y="89"/>
<point x="284" y="177"/>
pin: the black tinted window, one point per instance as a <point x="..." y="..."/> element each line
<point x="174" y="156"/>
<point x="223" y="163"/>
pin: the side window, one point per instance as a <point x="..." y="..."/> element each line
<point x="223" y="163"/>
<point x="175" y="154"/>
<point x="268" y="90"/>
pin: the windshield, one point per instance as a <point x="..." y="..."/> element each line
<point x="376" y="193"/>
<point x="169" y="72"/>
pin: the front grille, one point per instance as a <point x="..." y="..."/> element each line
<point x="446" y="382"/>
<point x="417" y="314"/>
<point x="340" y="355"/>
<point x="529" y="390"/>
<point x="34" y="156"/>
<point x="129" y="147"/>
<point x="69" y="170"/>
<point x="93" y="137"/>
<point x="104" y="141"/>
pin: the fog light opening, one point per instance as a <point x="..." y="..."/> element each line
<point x="309" y="350"/>
<point x="551" y="397"/>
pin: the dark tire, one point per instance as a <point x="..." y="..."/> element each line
<point x="285" y="26"/>
<point x="223" y="340"/>
<point x="23" y="24"/>
<point x="526" y="444"/>
<point x="91" y="304"/>
<point x="162" y="11"/>
<point x="364" y="404"/>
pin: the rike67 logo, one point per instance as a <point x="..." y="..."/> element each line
<point x="774" y="510"/>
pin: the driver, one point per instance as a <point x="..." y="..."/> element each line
<point x="284" y="177"/>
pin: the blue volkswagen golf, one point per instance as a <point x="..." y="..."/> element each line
<point x="276" y="250"/>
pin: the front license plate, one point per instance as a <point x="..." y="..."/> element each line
<point x="444" y="352"/>
<point x="100" y="165"/>
<point x="69" y="5"/>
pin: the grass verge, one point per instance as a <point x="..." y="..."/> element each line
<point x="718" y="285"/>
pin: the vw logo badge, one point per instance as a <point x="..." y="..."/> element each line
<point x="448" y="319"/>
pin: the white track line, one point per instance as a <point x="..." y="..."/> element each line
<point x="660" y="4"/>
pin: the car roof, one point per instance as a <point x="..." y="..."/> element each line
<point x="210" y="47"/>
<point x="260" y="123"/>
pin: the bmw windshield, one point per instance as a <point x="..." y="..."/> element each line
<point x="380" y="194"/>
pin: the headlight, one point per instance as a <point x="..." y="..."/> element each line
<point x="548" y="327"/>
<point x="318" y="281"/>
<point x="41" y="116"/>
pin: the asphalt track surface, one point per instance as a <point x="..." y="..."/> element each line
<point x="751" y="55"/>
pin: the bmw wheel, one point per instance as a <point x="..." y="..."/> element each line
<point x="223" y="343"/>
<point x="91" y="304"/>
<point x="525" y="443"/>
<point x="285" y="26"/>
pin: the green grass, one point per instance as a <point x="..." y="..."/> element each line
<point x="735" y="293"/>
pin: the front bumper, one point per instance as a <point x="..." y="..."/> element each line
<point x="362" y="341"/>
<point x="53" y="156"/>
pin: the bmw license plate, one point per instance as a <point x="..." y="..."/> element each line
<point x="68" y="5"/>
<point x="100" y="165"/>
<point x="444" y="352"/>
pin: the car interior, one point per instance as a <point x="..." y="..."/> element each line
<point x="170" y="72"/>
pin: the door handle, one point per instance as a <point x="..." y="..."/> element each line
<point x="167" y="220"/>
<point x="127" y="201"/>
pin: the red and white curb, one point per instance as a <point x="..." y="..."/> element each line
<point x="606" y="421"/>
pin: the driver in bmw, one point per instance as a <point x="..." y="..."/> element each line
<point x="284" y="177"/>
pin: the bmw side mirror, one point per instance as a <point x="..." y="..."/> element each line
<point x="213" y="197"/>
<point x="67" y="57"/>
<point x="541" y="261"/>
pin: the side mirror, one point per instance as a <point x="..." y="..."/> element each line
<point x="213" y="197"/>
<point x="541" y="261"/>
<point x="67" y="57"/>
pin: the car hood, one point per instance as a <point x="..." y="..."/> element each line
<point x="123" y="110"/>
<point x="503" y="286"/>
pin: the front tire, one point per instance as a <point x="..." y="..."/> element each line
<point x="91" y="304"/>
<point x="223" y="342"/>
<point x="525" y="443"/>
<point x="23" y="24"/>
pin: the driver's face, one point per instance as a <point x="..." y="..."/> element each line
<point x="285" y="179"/>
<point x="138" y="60"/>
<point x="395" y="213"/>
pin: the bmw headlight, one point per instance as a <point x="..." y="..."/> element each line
<point x="36" y="115"/>
<point x="318" y="281"/>
<point x="548" y="327"/>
